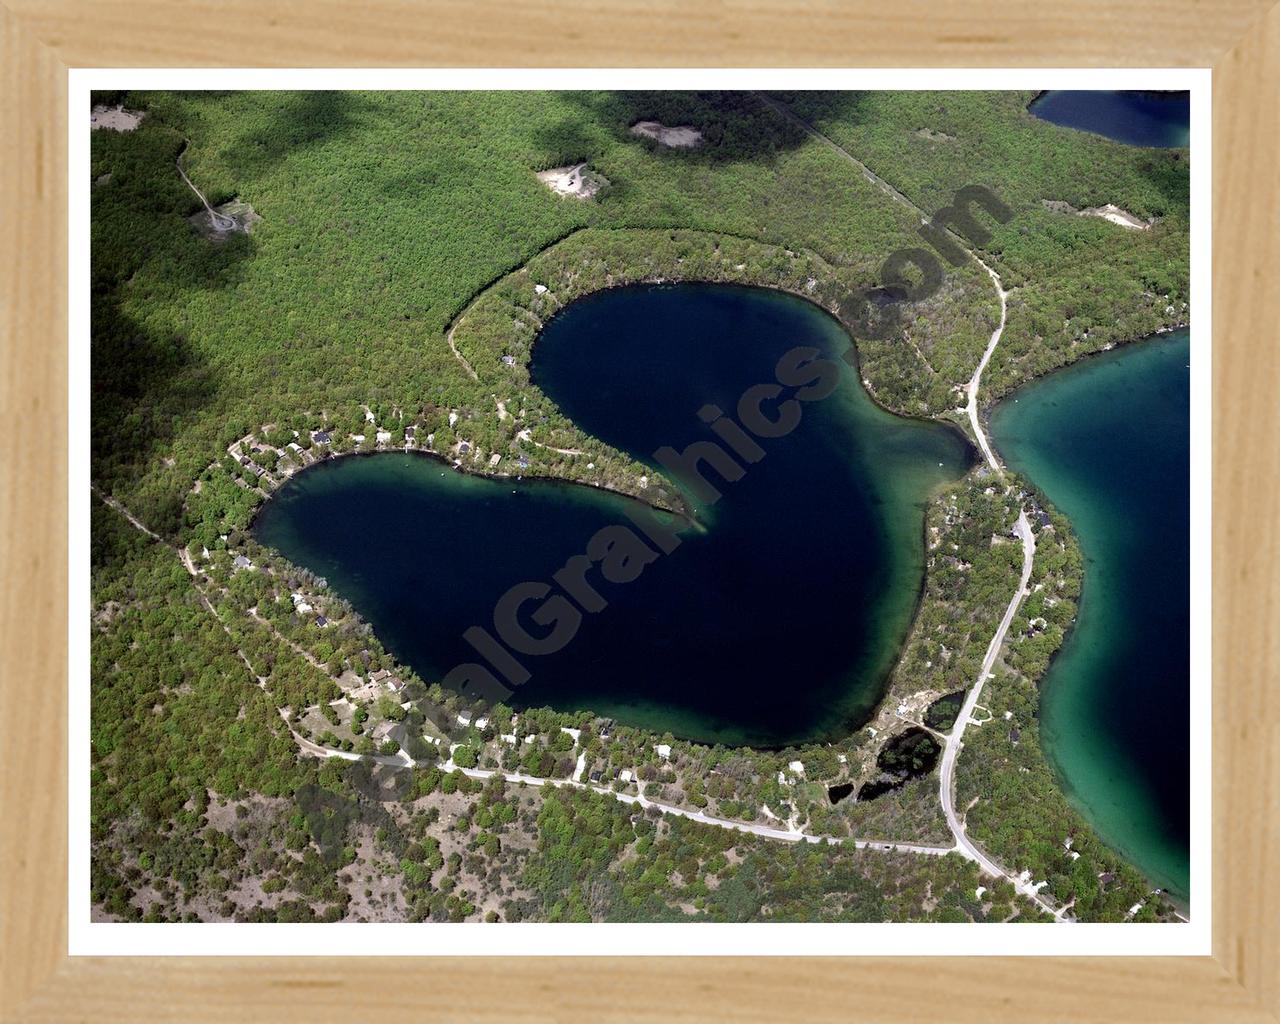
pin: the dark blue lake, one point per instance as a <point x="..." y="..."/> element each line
<point x="1137" y="118"/>
<point x="775" y="621"/>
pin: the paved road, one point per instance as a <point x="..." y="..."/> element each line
<point x="972" y="387"/>
<point x="955" y="739"/>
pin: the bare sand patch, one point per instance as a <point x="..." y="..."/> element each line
<point x="116" y="118"/>
<point x="932" y="136"/>
<point x="681" y="136"/>
<point x="1109" y="212"/>
<point x="1116" y="215"/>
<point x="218" y="223"/>
<point x="578" y="181"/>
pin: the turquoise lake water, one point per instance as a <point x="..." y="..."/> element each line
<point x="1107" y="441"/>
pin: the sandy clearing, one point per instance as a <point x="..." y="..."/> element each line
<point x="217" y="222"/>
<point x="1110" y="212"/>
<point x="526" y="435"/>
<point x="116" y="118"/>
<point x="681" y="136"/>
<point x="1116" y="215"/>
<point x="577" y="181"/>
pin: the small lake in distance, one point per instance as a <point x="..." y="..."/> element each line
<point x="1136" y="118"/>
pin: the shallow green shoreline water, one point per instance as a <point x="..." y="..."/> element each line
<point x="1107" y="441"/>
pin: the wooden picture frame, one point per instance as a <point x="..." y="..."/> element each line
<point x="42" y="39"/>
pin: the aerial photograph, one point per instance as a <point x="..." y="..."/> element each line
<point x="620" y="506"/>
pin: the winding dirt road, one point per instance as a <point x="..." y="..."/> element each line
<point x="219" y="220"/>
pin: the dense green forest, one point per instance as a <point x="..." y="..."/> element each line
<point x="406" y="257"/>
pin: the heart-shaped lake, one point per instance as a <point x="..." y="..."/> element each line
<point x="775" y="622"/>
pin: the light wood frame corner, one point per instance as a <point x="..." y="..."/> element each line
<point x="1240" y="39"/>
